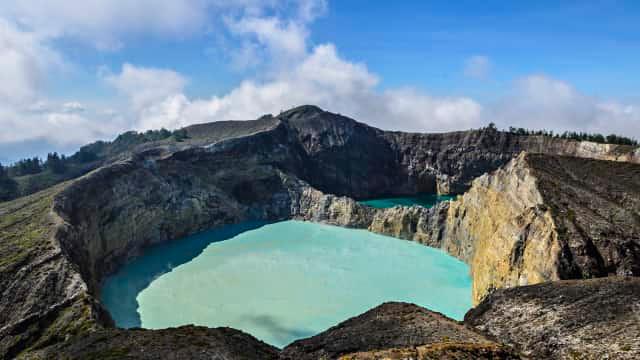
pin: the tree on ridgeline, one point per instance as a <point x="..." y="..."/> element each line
<point x="26" y="167"/>
<point x="577" y="136"/>
<point x="8" y="186"/>
<point x="55" y="163"/>
<point x="180" y="135"/>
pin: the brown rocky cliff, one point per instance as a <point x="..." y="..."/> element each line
<point x="544" y="218"/>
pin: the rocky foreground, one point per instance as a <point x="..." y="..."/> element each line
<point x="556" y="212"/>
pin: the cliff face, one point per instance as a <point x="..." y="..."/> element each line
<point x="596" y="206"/>
<point x="539" y="218"/>
<point x="503" y="229"/>
<point x="345" y="157"/>
<point x="117" y="211"/>
<point x="545" y="218"/>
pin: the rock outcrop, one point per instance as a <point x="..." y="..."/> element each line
<point x="186" y="342"/>
<point x="577" y="319"/>
<point x="393" y="330"/>
<point x="544" y="218"/>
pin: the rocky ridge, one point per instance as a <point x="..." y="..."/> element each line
<point x="68" y="238"/>
<point x="405" y="328"/>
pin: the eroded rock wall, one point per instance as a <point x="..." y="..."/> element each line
<point x="345" y="157"/>
<point x="117" y="211"/>
<point x="539" y="218"/>
<point x="503" y="229"/>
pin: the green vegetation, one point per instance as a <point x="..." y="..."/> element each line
<point x="28" y="176"/>
<point x="24" y="227"/>
<point x="578" y="136"/>
<point x="8" y="186"/>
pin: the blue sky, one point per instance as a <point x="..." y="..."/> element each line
<point x="80" y="72"/>
<point x="594" y="45"/>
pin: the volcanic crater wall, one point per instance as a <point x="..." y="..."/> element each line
<point x="513" y="227"/>
<point x="503" y="226"/>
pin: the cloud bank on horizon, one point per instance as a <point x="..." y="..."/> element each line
<point x="270" y="44"/>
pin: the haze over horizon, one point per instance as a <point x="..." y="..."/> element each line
<point x="74" y="73"/>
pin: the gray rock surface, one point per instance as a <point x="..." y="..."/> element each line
<point x="576" y="319"/>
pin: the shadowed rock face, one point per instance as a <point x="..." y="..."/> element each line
<point x="344" y="157"/>
<point x="398" y="326"/>
<point x="596" y="208"/>
<point x="57" y="246"/>
<point x="577" y="319"/>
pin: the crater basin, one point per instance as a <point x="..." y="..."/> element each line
<point x="281" y="281"/>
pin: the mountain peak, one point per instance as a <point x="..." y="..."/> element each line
<point x="305" y="111"/>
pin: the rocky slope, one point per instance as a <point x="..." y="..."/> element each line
<point x="186" y="342"/>
<point x="58" y="245"/>
<point x="395" y="330"/>
<point x="577" y="319"/>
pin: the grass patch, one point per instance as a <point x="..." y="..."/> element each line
<point x="25" y="227"/>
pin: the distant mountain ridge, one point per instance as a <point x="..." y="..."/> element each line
<point x="317" y="128"/>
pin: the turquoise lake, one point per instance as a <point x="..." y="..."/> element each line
<point x="281" y="281"/>
<point x="426" y="200"/>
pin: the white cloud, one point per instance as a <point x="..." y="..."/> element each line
<point x="145" y="86"/>
<point x="296" y="75"/>
<point x="24" y="63"/>
<point x="55" y="123"/>
<point x="477" y="67"/>
<point x="25" y="114"/>
<point x="278" y="37"/>
<point x="324" y="79"/>
<point x="28" y="28"/>
<point x="106" y="24"/>
<point x="276" y="41"/>
<point x="541" y="102"/>
<point x="73" y="107"/>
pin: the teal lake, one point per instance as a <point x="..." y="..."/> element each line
<point x="281" y="281"/>
<point x="426" y="200"/>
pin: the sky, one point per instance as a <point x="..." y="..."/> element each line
<point x="73" y="72"/>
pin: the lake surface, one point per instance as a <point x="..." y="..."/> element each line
<point x="426" y="200"/>
<point x="282" y="281"/>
